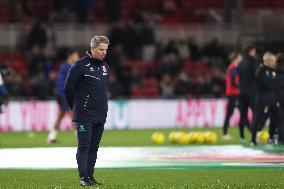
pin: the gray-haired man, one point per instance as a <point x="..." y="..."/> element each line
<point x="86" y="93"/>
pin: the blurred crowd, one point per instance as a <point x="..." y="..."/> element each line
<point x="141" y="65"/>
<point x="163" y="11"/>
<point x="178" y="68"/>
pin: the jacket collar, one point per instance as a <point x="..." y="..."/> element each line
<point x="96" y="61"/>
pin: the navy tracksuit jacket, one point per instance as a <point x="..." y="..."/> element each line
<point x="86" y="92"/>
<point x="86" y="89"/>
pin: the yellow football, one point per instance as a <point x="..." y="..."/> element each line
<point x="262" y="137"/>
<point x="158" y="138"/>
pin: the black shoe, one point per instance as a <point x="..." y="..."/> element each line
<point x="94" y="182"/>
<point x="84" y="181"/>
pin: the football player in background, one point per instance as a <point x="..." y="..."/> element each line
<point x="232" y="90"/>
<point x="71" y="57"/>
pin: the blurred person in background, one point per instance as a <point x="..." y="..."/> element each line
<point x="15" y="85"/>
<point x="182" y="85"/>
<point x="200" y="86"/>
<point x="183" y="50"/>
<point x="37" y="35"/>
<point x="232" y="90"/>
<point x="135" y="77"/>
<point x="72" y="56"/>
<point x="167" y="86"/>
<point x="42" y="88"/>
<point x="35" y="61"/>
<point x="194" y="51"/>
<point x="217" y="82"/>
<point x="169" y="64"/>
<point x="247" y="69"/>
<point x="5" y="70"/>
<point x="86" y="93"/>
<point x="267" y="105"/>
<point x="280" y="95"/>
<point x="115" y="89"/>
<point x="215" y="51"/>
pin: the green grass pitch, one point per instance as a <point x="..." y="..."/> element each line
<point x="143" y="179"/>
<point x="258" y="178"/>
<point x="110" y="138"/>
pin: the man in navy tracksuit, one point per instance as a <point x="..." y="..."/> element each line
<point x="86" y="93"/>
<point x="267" y="99"/>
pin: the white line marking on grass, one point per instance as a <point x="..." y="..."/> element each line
<point x="123" y="157"/>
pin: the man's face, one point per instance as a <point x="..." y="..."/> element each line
<point x="271" y="62"/>
<point x="100" y="51"/>
<point x="253" y="52"/>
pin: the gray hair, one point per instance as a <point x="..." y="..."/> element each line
<point x="267" y="56"/>
<point x="97" y="39"/>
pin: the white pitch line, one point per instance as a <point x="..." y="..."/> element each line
<point x="116" y="157"/>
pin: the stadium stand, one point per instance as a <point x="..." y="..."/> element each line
<point x="189" y="64"/>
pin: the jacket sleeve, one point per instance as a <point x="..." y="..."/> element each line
<point x="264" y="80"/>
<point x="280" y="80"/>
<point x="71" y="83"/>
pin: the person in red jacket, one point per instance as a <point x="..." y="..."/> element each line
<point x="232" y="90"/>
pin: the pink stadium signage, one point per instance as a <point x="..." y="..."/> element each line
<point x="124" y="114"/>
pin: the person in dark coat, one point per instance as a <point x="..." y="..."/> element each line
<point x="280" y="95"/>
<point x="86" y="93"/>
<point x="247" y="69"/>
<point x="267" y="103"/>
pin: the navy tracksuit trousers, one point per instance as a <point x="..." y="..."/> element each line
<point x="262" y="113"/>
<point x="89" y="137"/>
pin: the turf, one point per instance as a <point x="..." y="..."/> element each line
<point x="238" y="178"/>
<point x="155" y="179"/>
<point x="110" y="138"/>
